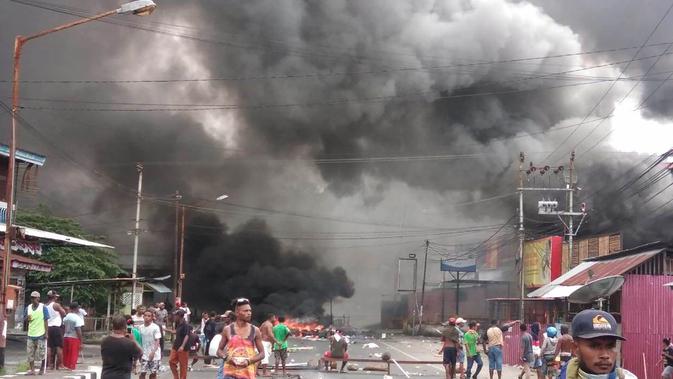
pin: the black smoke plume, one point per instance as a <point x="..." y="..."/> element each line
<point x="250" y="263"/>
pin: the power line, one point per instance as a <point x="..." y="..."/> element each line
<point x="628" y="64"/>
<point x="144" y="27"/>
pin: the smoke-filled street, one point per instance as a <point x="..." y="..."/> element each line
<point x="496" y="174"/>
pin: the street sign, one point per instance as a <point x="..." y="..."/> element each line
<point x="459" y="265"/>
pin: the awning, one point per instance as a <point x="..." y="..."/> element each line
<point x="587" y="271"/>
<point x="67" y="240"/>
<point x="24" y="155"/>
<point x="25" y="263"/>
<point x="158" y="287"/>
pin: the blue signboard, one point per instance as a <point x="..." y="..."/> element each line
<point x="459" y="265"/>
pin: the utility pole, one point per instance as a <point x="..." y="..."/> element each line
<point x="571" y="186"/>
<point x="522" y="236"/>
<point x="547" y="207"/>
<point x="443" y="295"/>
<point x="182" y="253"/>
<point x="136" y="235"/>
<point x="176" y="272"/>
<point x="425" y="270"/>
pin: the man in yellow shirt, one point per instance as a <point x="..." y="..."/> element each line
<point x="37" y="315"/>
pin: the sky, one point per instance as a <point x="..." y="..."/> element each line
<point x="353" y="130"/>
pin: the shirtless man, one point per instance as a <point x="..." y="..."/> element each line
<point x="240" y="339"/>
<point x="566" y="346"/>
<point x="267" y="341"/>
<point x="450" y="346"/>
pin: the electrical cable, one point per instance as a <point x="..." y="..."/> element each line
<point x="628" y="64"/>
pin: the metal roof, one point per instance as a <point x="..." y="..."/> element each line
<point x="158" y="287"/>
<point x="546" y="290"/>
<point x="36" y="233"/>
<point x="619" y="266"/>
<point x="567" y="283"/>
<point x="24" y="156"/>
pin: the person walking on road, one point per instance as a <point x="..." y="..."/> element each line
<point x="566" y="346"/>
<point x="54" y="331"/>
<point x="450" y="346"/>
<point x="151" y="335"/>
<point x="471" y="340"/>
<point x="527" y="355"/>
<point x="37" y="315"/>
<point x="118" y="352"/>
<point x="267" y="341"/>
<point x="180" y="351"/>
<point x="595" y="335"/>
<point x="548" y="352"/>
<point x="240" y="339"/>
<point x="495" y="341"/>
<point x="280" y="333"/>
<point x="72" y="336"/>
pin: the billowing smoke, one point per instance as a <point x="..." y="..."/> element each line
<point x="313" y="126"/>
<point x="249" y="262"/>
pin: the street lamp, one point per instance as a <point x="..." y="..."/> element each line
<point x="138" y="7"/>
<point x="180" y="252"/>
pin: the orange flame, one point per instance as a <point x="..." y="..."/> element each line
<point x="303" y="326"/>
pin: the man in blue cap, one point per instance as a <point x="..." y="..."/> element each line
<point x="595" y="335"/>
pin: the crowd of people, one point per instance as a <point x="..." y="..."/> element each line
<point x="54" y="333"/>
<point x="588" y="349"/>
<point x="136" y="344"/>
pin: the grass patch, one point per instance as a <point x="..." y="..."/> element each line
<point x="21" y="367"/>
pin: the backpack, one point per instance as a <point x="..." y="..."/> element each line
<point x="194" y="342"/>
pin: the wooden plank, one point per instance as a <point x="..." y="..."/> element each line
<point x="592" y="247"/>
<point x="603" y="245"/>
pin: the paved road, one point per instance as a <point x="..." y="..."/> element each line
<point x="308" y="352"/>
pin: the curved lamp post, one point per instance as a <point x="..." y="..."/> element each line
<point x="139" y="8"/>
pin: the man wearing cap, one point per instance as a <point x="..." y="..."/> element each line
<point x="450" y="346"/>
<point x="54" y="331"/>
<point x="36" y="318"/>
<point x="595" y="335"/>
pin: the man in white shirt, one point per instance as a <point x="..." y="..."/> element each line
<point x="54" y="331"/>
<point x="151" y="334"/>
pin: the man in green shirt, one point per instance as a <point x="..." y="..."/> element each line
<point x="471" y="340"/>
<point x="280" y="332"/>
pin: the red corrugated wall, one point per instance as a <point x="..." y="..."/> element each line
<point x="647" y="318"/>
<point x="511" y="352"/>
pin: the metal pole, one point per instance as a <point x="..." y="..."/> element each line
<point x="458" y="293"/>
<point x="176" y="261"/>
<point x="331" y="315"/>
<point x="136" y="236"/>
<point x="443" y="295"/>
<point x="521" y="238"/>
<point x="107" y="314"/>
<point x="413" y="319"/>
<point x="425" y="270"/>
<point x="182" y="253"/>
<point x="72" y="293"/>
<point x="571" y="186"/>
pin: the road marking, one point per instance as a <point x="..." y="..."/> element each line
<point x="412" y="357"/>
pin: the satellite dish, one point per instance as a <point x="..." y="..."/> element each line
<point x="596" y="290"/>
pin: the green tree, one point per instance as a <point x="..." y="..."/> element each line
<point x="71" y="262"/>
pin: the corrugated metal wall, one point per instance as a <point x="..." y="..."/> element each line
<point x="647" y="317"/>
